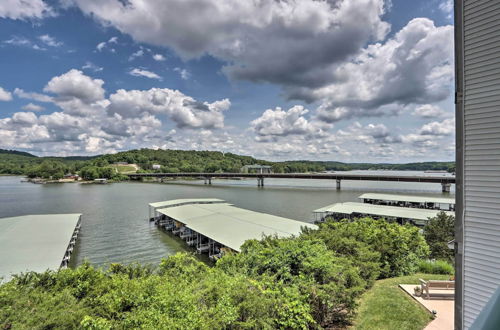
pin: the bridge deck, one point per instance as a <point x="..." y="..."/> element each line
<point x="326" y="176"/>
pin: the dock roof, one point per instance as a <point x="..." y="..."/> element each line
<point x="34" y="242"/>
<point x="380" y="210"/>
<point x="408" y="198"/>
<point x="176" y="202"/>
<point x="232" y="226"/>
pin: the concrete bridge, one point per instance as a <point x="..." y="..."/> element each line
<point x="445" y="181"/>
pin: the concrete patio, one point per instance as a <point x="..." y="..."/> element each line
<point x="444" y="306"/>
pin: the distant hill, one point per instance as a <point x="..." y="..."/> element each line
<point x="15" y="152"/>
<point x="172" y="161"/>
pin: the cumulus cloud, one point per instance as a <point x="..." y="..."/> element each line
<point x="144" y="73"/>
<point x="429" y="111"/>
<point x="182" y="109"/>
<point x="32" y="95"/>
<point x="89" y="122"/>
<point x="74" y="84"/>
<point x="159" y="57"/>
<point x="5" y="95"/>
<point x="445" y="127"/>
<point x="284" y="42"/>
<point x="413" y="67"/>
<point x="33" y="107"/>
<point x="277" y="122"/>
<point x="368" y="134"/>
<point x="22" y="9"/>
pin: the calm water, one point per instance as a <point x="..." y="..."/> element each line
<point x="114" y="225"/>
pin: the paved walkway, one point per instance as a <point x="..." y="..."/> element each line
<point x="444" y="307"/>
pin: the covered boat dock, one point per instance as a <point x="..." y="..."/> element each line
<point x="37" y="242"/>
<point x="424" y="202"/>
<point x="153" y="207"/>
<point x="217" y="228"/>
<point x="352" y="210"/>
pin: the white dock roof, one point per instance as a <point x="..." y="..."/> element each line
<point x="408" y="198"/>
<point x="380" y="210"/>
<point x="175" y="202"/>
<point x="34" y="242"/>
<point x="232" y="226"/>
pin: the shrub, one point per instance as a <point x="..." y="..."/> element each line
<point x="399" y="247"/>
<point x="435" y="267"/>
<point x="329" y="283"/>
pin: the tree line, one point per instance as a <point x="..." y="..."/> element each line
<point x="174" y="161"/>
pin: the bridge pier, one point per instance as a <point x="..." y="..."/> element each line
<point x="260" y="182"/>
<point x="446" y="187"/>
<point x="208" y="180"/>
<point x="338" y="184"/>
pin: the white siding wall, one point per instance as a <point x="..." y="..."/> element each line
<point x="481" y="263"/>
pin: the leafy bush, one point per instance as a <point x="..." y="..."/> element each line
<point x="329" y="283"/>
<point x="398" y="248"/>
<point x="436" y="267"/>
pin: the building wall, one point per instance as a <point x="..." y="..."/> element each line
<point x="478" y="156"/>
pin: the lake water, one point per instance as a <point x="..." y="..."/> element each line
<point x="114" y="225"/>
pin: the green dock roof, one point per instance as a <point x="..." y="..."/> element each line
<point x="408" y="198"/>
<point x="34" y="242"/>
<point x="381" y="210"/>
<point x="232" y="226"/>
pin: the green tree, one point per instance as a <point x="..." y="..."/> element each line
<point x="399" y="247"/>
<point x="438" y="232"/>
<point x="89" y="172"/>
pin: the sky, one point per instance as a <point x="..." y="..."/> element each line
<point x="340" y="80"/>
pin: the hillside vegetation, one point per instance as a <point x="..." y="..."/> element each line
<point x="172" y="161"/>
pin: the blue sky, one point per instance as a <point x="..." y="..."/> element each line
<point x="363" y="80"/>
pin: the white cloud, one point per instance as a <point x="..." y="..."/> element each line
<point x="446" y="6"/>
<point x="100" y="46"/>
<point x="144" y="73"/>
<point x="74" y="84"/>
<point x="50" y="41"/>
<point x="32" y="96"/>
<point x="413" y="67"/>
<point x="445" y="127"/>
<point x="368" y="134"/>
<point x="5" y="95"/>
<point x="33" y="107"/>
<point x="181" y="109"/>
<point x="113" y="40"/>
<point x="185" y="74"/>
<point x="91" y="66"/>
<point x="429" y="111"/>
<point x="138" y="53"/>
<point x="23" y="42"/>
<point x="159" y="57"/>
<point x="277" y="122"/>
<point x="22" y="9"/>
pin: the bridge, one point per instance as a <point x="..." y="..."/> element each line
<point x="445" y="181"/>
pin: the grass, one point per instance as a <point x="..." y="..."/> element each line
<point x="124" y="168"/>
<point x="386" y="306"/>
